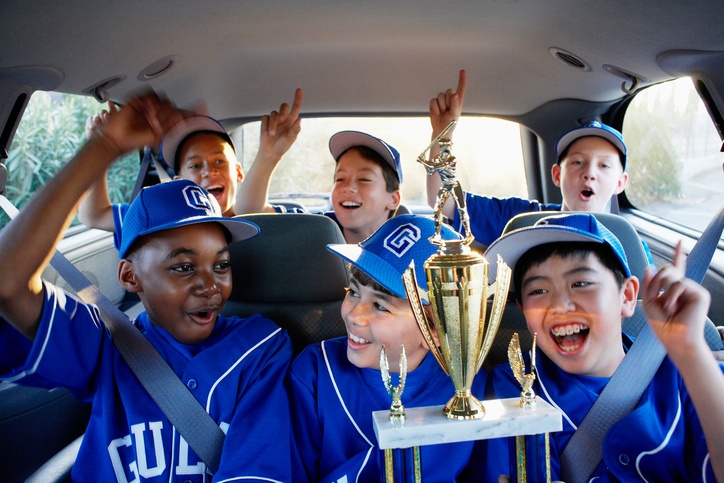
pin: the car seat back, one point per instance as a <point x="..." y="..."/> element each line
<point x="287" y="274"/>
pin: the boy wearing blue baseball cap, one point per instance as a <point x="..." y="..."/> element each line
<point x="590" y="168"/>
<point x="572" y="281"/>
<point x="366" y="190"/>
<point x="175" y="256"/>
<point x="335" y="385"/>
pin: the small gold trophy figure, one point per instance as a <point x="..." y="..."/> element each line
<point x="515" y="358"/>
<point x="397" y="410"/>
<point x="444" y="164"/>
<point x="457" y="279"/>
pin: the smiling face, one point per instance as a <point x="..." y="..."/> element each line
<point x="374" y="319"/>
<point x="209" y="161"/>
<point x="360" y="198"/>
<point x="183" y="277"/>
<point x="575" y="305"/>
<point x="589" y="174"/>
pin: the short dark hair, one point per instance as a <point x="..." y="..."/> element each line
<point x="392" y="184"/>
<point x="539" y="254"/>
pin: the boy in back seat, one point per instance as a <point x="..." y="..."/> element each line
<point x="572" y="281"/>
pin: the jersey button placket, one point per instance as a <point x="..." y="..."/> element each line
<point x="192" y="384"/>
<point x="623" y="459"/>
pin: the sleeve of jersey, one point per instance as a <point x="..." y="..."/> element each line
<point x="488" y="216"/>
<point x="66" y="350"/>
<point x="257" y="444"/>
<point x="306" y="425"/>
<point x="119" y="213"/>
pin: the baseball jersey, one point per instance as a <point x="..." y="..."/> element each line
<point x="236" y="374"/>
<point x="488" y="216"/>
<point x="660" y="440"/>
<point x="333" y="433"/>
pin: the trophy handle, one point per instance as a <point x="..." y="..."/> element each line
<point x="408" y="279"/>
<point x="500" y="287"/>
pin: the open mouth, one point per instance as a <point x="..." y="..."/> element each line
<point x="570" y="337"/>
<point x="587" y="193"/>
<point x="350" y="205"/>
<point x="204" y="317"/>
<point x="215" y="190"/>
<point x="356" y="340"/>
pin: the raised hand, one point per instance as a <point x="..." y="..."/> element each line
<point x="447" y="106"/>
<point x="676" y="307"/>
<point x="280" y="128"/>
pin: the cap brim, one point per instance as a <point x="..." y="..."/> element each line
<point x="514" y="245"/>
<point x="583" y="132"/>
<point x="344" y="140"/>
<point x="238" y="229"/>
<point x="372" y="265"/>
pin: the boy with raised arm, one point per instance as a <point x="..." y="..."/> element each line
<point x="174" y="255"/>
<point x="367" y="176"/>
<point x="572" y="282"/>
<point x="198" y="148"/>
<point x="590" y="169"/>
<point x="336" y="384"/>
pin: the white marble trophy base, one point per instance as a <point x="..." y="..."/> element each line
<point x="428" y="425"/>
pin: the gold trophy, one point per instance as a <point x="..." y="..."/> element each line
<point x="458" y="292"/>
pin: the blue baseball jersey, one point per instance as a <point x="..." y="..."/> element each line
<point x="660" y="440"/>
<point x="488" y="216"/>
<point x="236" y="375"/>
<point x="333" y="432"/>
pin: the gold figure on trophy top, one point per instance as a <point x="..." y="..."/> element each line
<point x="517" y="364"/>
<point x="444" y="164"/>
<point x="397" y="410"/>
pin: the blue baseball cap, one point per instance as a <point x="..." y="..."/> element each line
<point x="183" y="129"/>
<point x="388" y="252"/>
<point x="575" y="227"/>
<point x="174" y="204"/>
<point x="592" y="128"/>
<point x="344" y="140"/>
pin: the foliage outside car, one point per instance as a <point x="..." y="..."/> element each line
<point x="50" y="133"/>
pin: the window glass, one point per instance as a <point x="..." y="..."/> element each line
<point x="674" y="163"/>
<point x="48" y="136"/>
<point x="488" y="151"/>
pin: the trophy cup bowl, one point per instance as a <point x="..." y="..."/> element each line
<point x="458" y="293"/>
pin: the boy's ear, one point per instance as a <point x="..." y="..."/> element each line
<point x="127" y="277"/>
<point x="395" y="199"/>
<point x="629" y="295"/>
<point x="556" y="175"/>
<point x="621" y="185"/>
<point x="239" y="173"/>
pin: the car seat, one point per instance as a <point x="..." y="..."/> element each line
<point x="287" y="274"/>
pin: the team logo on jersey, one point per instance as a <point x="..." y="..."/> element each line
<point x="402" y="239"/>
<point x="198" y="199"/>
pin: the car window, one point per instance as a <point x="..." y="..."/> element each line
<point x="50" y="132"/>
<point x="488" y="151"/>
<point x="674" y="163"/>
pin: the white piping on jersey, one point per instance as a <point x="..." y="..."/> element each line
<point x="233" y="366"/>
<point x="255" y="478"/>
<point x="346" y="411"/>
<point x="703" y="468"/>
<point x="664" y="442"/>
<point x="550" y="399"/>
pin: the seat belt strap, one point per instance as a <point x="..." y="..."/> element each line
<point x="584" y="450"/>
<point x="168" y="391"/>
<point x="148" y="159"/>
